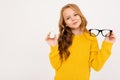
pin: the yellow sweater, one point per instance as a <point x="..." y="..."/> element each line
<point x="84" y="54"/>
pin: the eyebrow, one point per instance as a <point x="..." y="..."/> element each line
<point x="69" y="15"/>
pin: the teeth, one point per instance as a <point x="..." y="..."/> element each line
<point x="52" y="34"/>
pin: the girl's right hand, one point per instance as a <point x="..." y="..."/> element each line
<point x="51" y="41"/>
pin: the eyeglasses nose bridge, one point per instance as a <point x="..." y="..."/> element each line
<point x="100" y="31"/>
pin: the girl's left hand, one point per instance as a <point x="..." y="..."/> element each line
<point x="110" y="38"/>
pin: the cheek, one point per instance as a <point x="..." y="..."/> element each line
<point x="68" y="23"/>
<point x="79" y="19"/>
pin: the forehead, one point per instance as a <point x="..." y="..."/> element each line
<point x="68" y="11"/>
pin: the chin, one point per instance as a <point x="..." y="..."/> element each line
<point x="75" y="27"/>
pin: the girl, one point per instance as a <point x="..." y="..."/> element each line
<point x="75" y="51"/>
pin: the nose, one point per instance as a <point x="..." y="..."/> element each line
<point x="73" y="18"/>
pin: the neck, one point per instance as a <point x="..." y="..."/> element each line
<point x="76" y="31"/>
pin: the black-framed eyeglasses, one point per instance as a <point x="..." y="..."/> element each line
<point x="104" y="32"/>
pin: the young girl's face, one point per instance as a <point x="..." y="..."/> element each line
<point x="71" y="18"/>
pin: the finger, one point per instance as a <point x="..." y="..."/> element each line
<point x="47" y="37"/>
<point x="112" y="36"/>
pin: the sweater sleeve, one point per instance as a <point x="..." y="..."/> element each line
<point x="54" y="57"/>
<point x="98" y="57"/>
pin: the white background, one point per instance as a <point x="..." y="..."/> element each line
<point x="23" y="28"/>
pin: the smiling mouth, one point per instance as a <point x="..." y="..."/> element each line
<point x="75" y="23"/>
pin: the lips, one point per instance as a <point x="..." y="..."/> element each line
<point x="75" y="23"/>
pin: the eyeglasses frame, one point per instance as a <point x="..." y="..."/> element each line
<point x="100" y="31"/>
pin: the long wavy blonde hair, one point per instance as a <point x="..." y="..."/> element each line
<point x="65" y="33"/>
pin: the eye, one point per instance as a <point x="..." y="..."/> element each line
<point x="68" y="18"/>
<point x="75" y="14"/>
